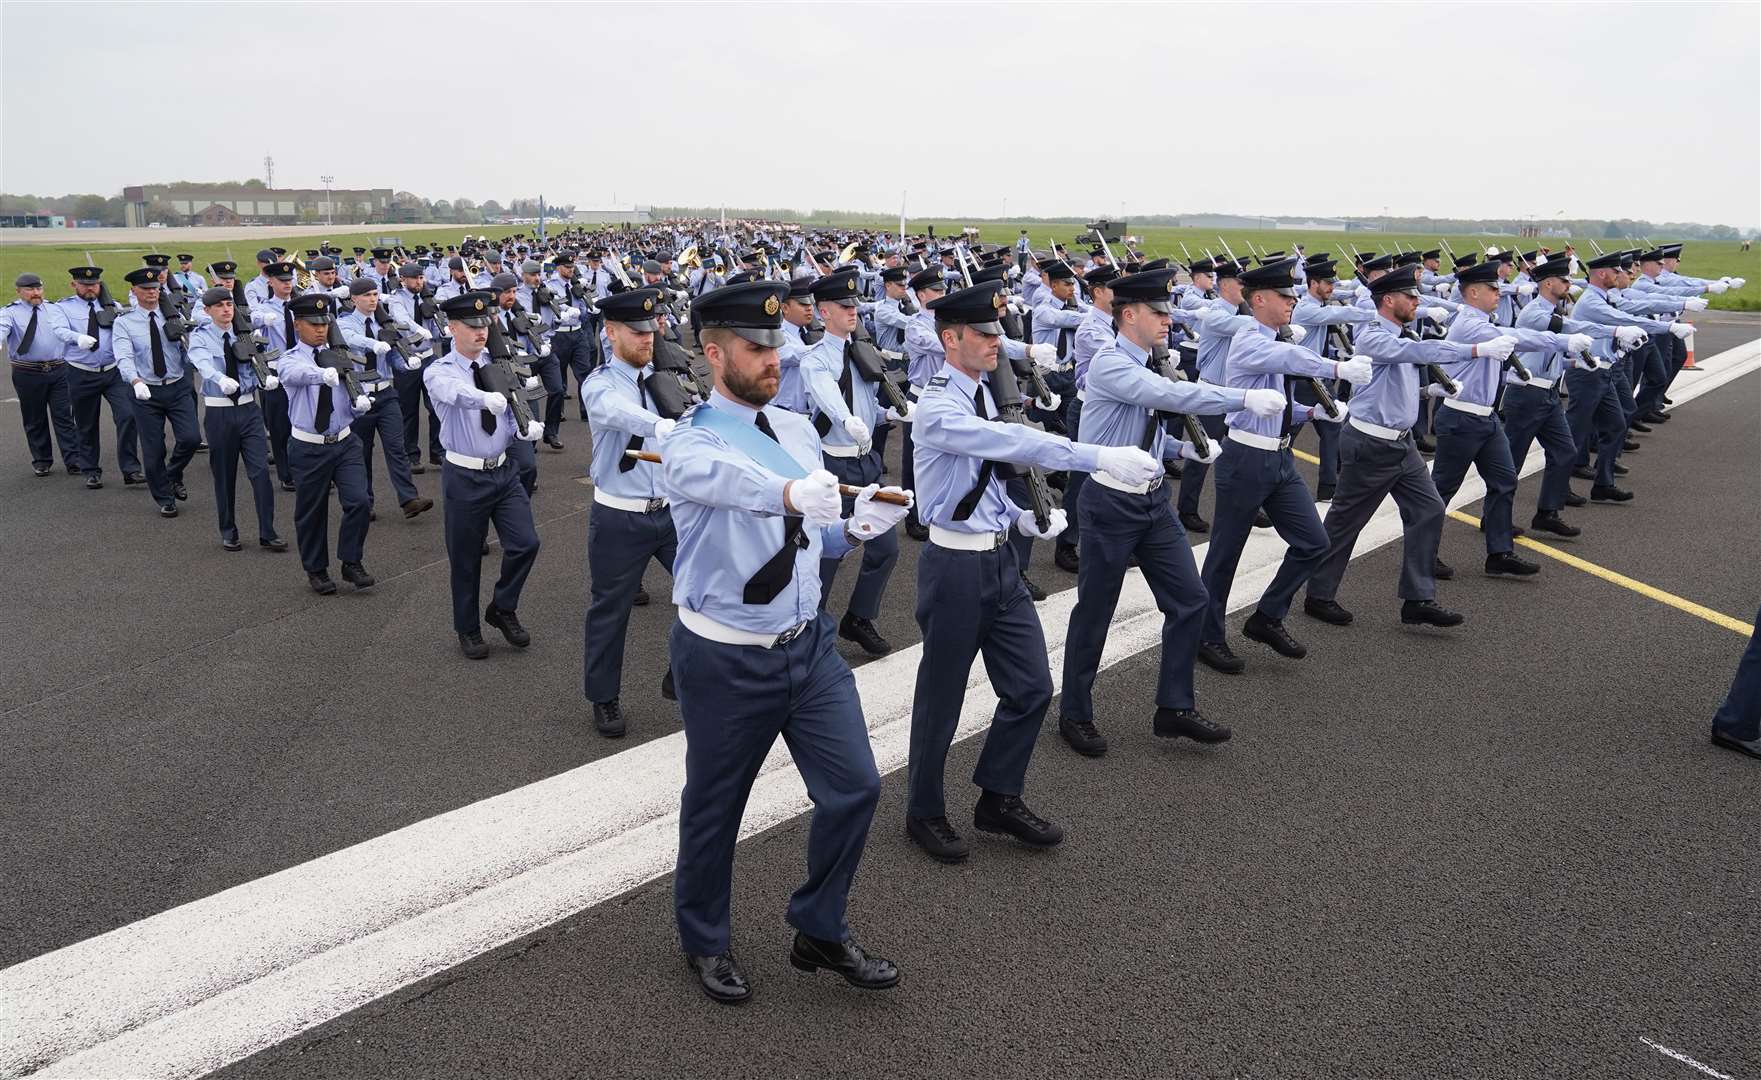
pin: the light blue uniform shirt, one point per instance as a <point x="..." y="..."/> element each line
<point x="134" y="348"/>
<point x="1548" y="362"/>
<point x="923" y="349"/>
<point x="304" y="381"/>
<point x="1122" y="391"/>
<point x="1259" y="361"/>
<point x="77" y="315"/>
<point x="1315" y="317"/>
<point x="728" y="512"/>
<point x="1645" y="283"/>
<point x="1218" y="323"/>
<point x="452" y="388"/>
<point x="1095" y="333"/>
<point x="791" y="394"/>
<point x="951" y="445"/>
<point x="1391" y="398"/>
<point x="1479" y="378"/>
<point x="46" y="344"/>
<point x="1050" y="316"/>
<point x="890" y="325"/>
<point x="617" y="408"/>
<point x="1594" y="306"/>
<point x="208" y="356"/>
<point x="360" y="331"/>
<point x="821" y="368"/>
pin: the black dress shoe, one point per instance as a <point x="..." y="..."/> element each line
<point x="133" y="479"/>
<point x="720" y="978"/>
<point x="1618" y="469"/>
<point x="288" y="485"/>
<point x="639" y="600"/>
<point x="1610" y="493"/>
<point x="73" y="470"/>
<point x="1629" y="446"/>
<point x="1034" y="592"/>
<point x="1271" y="632"/>
<point x="417" y="505"/>
<point x="509" y="625"/>
<point x="1260" y="520"/>
<point x="1667" y="400"/>
<point x="94" y="481"/>
<point x="416" y="467"/>
<point x="372" y="515"/>
<point x="1193" y="523"/>
<point x="1064" y="558"/>
<point x="42" y="470"/>
<point x="1507" y="562"/>
<point x="1082" y="736"/>
<point x="201" y="448"/>
<point x="1218" y="656"/>
<point x="274" y="543"/>
<point x="859" y="969"/>
<point x="1008" y="815"/>
<point x="1639" y="426"/>
<point x="1572" y="498"/>
<point x="1656" y="417"/>
<point x="472" y="646"/>
<point x="1725" y="739"/>
<point x="1441" y="570"/>
<point x="1553" y="523"/>
<point x="180" y="493"/>
<point x="1328" y="611"/>
<point x="1582" y="472"/>
<point x="855" y="628"/>
<point x="1425" y="444"/>
<point x="554" y="442"/>
<point x="232" y="545"/>
<point x="667" y="689"/>
<point x="1324" y="492"/>
<point x="608" y="719"/>
<point x="168" y="509"/>
<point x="1517" y="532"/>
<point x="356" y="574"/>
<point x="321" y="583"/>
<point x="1190" y="724"/>
<point x="937" y="838"/>
<point x="1429" y="613"/>
<point x="917" y="530"/>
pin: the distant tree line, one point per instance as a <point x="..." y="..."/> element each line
<point x="406" y="207"/>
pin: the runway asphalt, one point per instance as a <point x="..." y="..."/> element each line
<point x="1505" y="848"/>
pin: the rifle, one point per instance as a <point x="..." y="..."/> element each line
<point x="335" y="354"/>
<point x="1008" y="396"/>
<point x="1284" y="335"/>
<point x="847" y="490"/>
<point x="504" y="375"/>
<point x="388" y="332"/>
<point x="248" y="345"/>
<point x="671" y="357"/>
<point x="868" y="363"/>
<point x="1162" y="362"/>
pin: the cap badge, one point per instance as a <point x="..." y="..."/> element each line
<point x="648" y="304"/>
<point x="479" y="305"/>
<point x="771" y="307"/>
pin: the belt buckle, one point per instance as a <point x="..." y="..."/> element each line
<point x="788" y="635"/>
<point x="655" y="504"/>
<point x="1284" y="442"/>
<point x="1155" y="483"/>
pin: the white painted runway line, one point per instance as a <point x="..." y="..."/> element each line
<point x="1685" y="1059"/>
<point x="194" y="988"/>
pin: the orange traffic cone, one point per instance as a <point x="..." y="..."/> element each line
<point x="1689" y="364"/>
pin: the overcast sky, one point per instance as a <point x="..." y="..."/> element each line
<point x="1477" y="110"/>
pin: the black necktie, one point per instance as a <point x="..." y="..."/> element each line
<point x="626" y="463"/>
<point x="321" y="416"/>
<point x="1284" y="428"/>
<point x="986" y="469"/>
<point x="92" y="324"/>
<point x="484" y="415"/>
<point x="231" y="364"/>
<point x="287" y="335"/>
<point x="775" y="575"/>
<point x="158" y="344"/>
<point x="30" y="331"/>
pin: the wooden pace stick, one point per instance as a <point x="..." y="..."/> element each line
<point x="843" y="489"/>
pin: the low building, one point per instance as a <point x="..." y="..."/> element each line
<point x="256" y="205"/>
<point x="32" y="220"/>
<point x="216" y="214"/>
<point x="636" y="216"/>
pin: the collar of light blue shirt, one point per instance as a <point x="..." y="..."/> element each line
<point x="738" y="408"/>
<point x="1130" y="348"/>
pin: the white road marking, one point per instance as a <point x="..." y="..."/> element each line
<point x="194" y="988"/>
<point x="1684" y="1059"/>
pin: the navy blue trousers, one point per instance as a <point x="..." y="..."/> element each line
<point x="1532" y="413"/>
<point x="1656" y="372"/>
<point x="1248" y="479"/>
<point x="315" y="469"/>
<point x="1117" y="525"/>
<point x="968" y="603"/>
<point x="412" y="399"/>
<point x="472" y="499"/>
<point x="1370" y="469"/>
<point x="736" y="700"/>
<point x="1192" y="474"/>
<point x="878" y="555"/>
<point x="385" y="421"/>
<point x="1072" y="533"/>
<point x="44" y="405"/>
<point x="1740" y="714"/>
<point x="549" y="370"/>
<point x="619" y="545"/>
<point x="87" y="393"/>
<point x="1596" y="418"/>
<point x="1464" y="439"/>
<point x="235" y="436"/>
<point x="275" y="418"/>
<point x="168" y="404"/>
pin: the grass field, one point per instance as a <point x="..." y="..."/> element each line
<point x="1704" y="258"/>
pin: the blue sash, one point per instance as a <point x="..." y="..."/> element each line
<point x="748" y="439"/>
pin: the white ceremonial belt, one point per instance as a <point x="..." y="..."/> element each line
<point x="705" y="627"/>
<point x="1545" y="384"/>
<point x="321" y="440"/>
<point x="564" y="329"/>
<point x="1467" y="407"/>
<point x="1109" y="480"/>
<point x="92" y="370"/>
<point x="955" y="540"/>
<point x="842" y="451"/>
<point x="621" y="502"/>
<point x="1259" y="442"/>
<point x="1377" y="430"/>
<point x="375" y="386"/>
<point x="480" y="464"/>
<point x="226" y="402"/>
<point x="1082" y="395"/>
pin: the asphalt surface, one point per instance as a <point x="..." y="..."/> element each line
<point x="1524" y="856"/>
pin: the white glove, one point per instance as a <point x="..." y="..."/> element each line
<point x="869" y="519"/>
<point x="341" y="292"/>
<point x="1435" y="390"/>
<point x="422" y="332"/>
<point x="412" y="363"/>
<point x="1525" y="288"/>
<point x="1044" y="356"/>
<point x="1682" y="330"/>
<point x="1627" y="336"/>
<point x="1056" y="521"/>
<point x="1577" y="343"/>
<point x="662" y="428"/>
<point x="1050" y="402"/>
<point x="533" y="382"/>
<point x="858" y="431"/>
<point x="272" y="383"/>
<point x="85" y="341"/>
<point x="1128" y="465"/>
<point x="142" y="392"/>
<point x="1695" y="303"/>
<point x="1445" y="289"/>
<point x="263" y="317"/>
<point x="1357" y="370"/>
<point x="1190" y="452"/>
<point x="1436" y="314"/>
<point x="1499" y="349"/>
<point x="227" y="385"/>
<point x="569" y="314"/>
<point x="379" y="348"/>
<point x="1716" y="287"/>
<point x="363" y="404"/>
<point x="534" y="431"/>
<point x="1736" y="282"/>
<point x="1319" y="414"/>
<point x="330" y="377"/>
<point x="495" y="403"/>
<point x="905" y="417"/>
<point x="544" y="349"/>
<point x="1263" y="402"/>
<point x="815" y="497"/>
<point x="1297" y="333"/>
